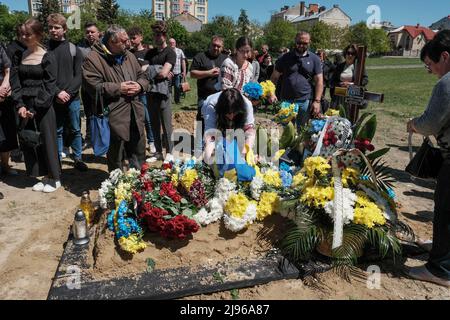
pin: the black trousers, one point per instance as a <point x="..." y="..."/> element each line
<point x="439" y="261"/>
<point x="160" y="110"/>
<point x="133" y="150"/>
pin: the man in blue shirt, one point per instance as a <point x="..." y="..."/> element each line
<point x="300" y="73"/>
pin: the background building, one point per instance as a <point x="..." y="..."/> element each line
<point x="408" y="41"/>
<point x="67" y="6"/>
<point x="443" y="24"/>
<point x="166" y="9"/>
<point x="312" y="14"/>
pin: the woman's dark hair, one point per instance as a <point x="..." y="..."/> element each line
<point x="36" y="27"/>
<point x="243" y="41"/>
<point x="351" y="46"/>
<point x="231" y="101"/>
<point x="434" y="48"/>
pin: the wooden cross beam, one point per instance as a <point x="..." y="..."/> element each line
<point x="355" y="95"/>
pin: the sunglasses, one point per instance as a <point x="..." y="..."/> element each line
<point x="351" y="53"/>
<point x="301" y="43"/>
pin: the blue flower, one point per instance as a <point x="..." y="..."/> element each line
<point x="285" y="167"/>
<point x="111" y="220"/>
<point x="317" y="125"/>
<point x="253" y="90"/>
<point x="286" y="179"/>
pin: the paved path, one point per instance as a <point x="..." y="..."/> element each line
<point x="407" y="66"/>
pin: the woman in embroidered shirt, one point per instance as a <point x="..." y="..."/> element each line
<point x="236" y="71"/>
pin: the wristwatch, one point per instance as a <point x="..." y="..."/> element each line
<point x="318" y="100"/>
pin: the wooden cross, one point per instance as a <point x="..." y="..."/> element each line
<point x="355" y="95"/>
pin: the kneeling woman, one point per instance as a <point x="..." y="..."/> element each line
<point x="229" y="120"/>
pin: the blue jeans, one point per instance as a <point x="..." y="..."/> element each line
<point x="148" y="123"/>
<point x="177" y="87"/>
<point x="68" y="120"/>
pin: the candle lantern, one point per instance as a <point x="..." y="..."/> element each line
<point x="80" y="229"/>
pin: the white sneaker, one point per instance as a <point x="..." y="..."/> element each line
<point x="152" y="148"/>
<point x="63" y="155"/>
<point x="38" y="187"/>
<point x="169" y="158"/>
<point x="151" y="160"/>
<point x="52" y="186"/>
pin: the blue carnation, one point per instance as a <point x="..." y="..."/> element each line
<point x="253" y="90"/>
<point x="111" y="220"/>
<point x="285" y="167"/>
<point x="286" y="179"/>
<point x="317" y="125"/>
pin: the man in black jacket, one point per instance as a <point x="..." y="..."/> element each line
<point x="68" y="82"/>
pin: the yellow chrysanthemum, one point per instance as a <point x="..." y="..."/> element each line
<point x="237" y="205"/>
<point x="188" y="178"/>
<point x="350" y="175"/>
<point x="313" y="164"/>
<point x="332" y="112"/>
<point x="317" y="197"/>
<point x="122" y="192"/>
<point x="298" y="180"/>
<point x="268" y="204"/>
<point x="268" y="88"/>
<point x="132" y="244"/>
<point x="272" y="178"/>
<point x="367" y="212"/>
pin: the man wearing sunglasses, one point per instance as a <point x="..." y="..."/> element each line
<point x="302" y="78"/>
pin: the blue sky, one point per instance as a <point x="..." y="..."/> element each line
<point x="399" y="12"/>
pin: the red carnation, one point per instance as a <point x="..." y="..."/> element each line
<point x="167" y="165"/>
<point x="137" y="196"/>
<point x="148" y="186"/>
<point x="144" y="168"/>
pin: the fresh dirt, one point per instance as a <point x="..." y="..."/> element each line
<point x="35" y="226"/>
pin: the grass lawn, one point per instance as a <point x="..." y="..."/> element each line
<point x="406" y="91"/>
<point x="392" y="61"/>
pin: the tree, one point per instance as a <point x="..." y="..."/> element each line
<point x="198" y="42"/>
<point x="9" y="21"/>
<point x="243" y="24"/>
<point x="321" y="34"/>
<point x="48" y="7"/>
<point x="379" y="42"/>
<point x="108" y="11"/>
<point x="359" y="34"/>
<point x="178" y="32"/>
<point x="279" y="33"/>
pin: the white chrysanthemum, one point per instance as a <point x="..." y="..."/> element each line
<point x="115" y="175"/>
<point x="133" y="173"/>
<point x="205" y="217"/>
<point x="349" y="199"/>
<point x="256" y="187"/>
<point x="380" y="202"/>
<point x="238" y="224"/>
<point x="102" y="192"/>
<point x="224" y="189"/>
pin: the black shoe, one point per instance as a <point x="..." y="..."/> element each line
<point x="1" y="196"/>
<point x="80" y="166"/>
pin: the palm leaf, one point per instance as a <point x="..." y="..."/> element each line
<point x="382" y="239"/>
<point x="297" y="245"/>
<point x="377" y="154"/>
<point x="383" y="174"/>
<point x="353" y="242"/>
<point x="358" y="125"/>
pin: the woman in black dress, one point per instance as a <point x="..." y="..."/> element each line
<point x="8" y="135"/>
<point x="33" y="89"/>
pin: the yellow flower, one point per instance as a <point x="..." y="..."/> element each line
<point x="122" y="192"/>
<point x="268" y="88"/>
<point x="174" y="179"/>
<point x="237" y="205"/>
<point x="231" y="175"/>
<point x="332" y="112"/>
<point x="298" y="180"/>
<point x="317" y="197"/>
<point x="350" y="175"/>
<point x="132" y="244"/>
<point x="272" y="178"/>
<point x="188" y="178"/>
<point x="268" y="204"/>
<point x="367" y="212"/>
<point x="278" y="155"/>
<point x="250" y="156"/>
<point x="313" y="164"/>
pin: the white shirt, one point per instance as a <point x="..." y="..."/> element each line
<point x="209" y="111"/>
<point x="180" y="58"/>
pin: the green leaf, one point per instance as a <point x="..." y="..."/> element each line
<point x="377" y="154"/>
<point x="342" y="112"/>
<point x="184" y="201"/>
<point x="368" y="130"/>
<point x="234" y="294"/>
<point x="150" y="264"/>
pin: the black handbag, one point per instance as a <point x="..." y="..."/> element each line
<point x="29" y="138"/>
<point x="427" y="162"/>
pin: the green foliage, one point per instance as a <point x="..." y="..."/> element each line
<point x="108" y="11"/>
<point x="198" y="42"/>
<point x="378" y="41"/>
<point x="381" y="239"/>
<point x="366" y="127"/>
<point x="243" y="24"/>
<point x="321" y="35"/>
<point x="377" y="154"/>
<point x="383" y="174"/>
<point x="359" y="34"/>
<point x="223" y="26"/>
<point x="9" y="21"/>
<point x="278" y="34"/>
<point x="178" y="32"/>
<point x="48" y="7"/>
